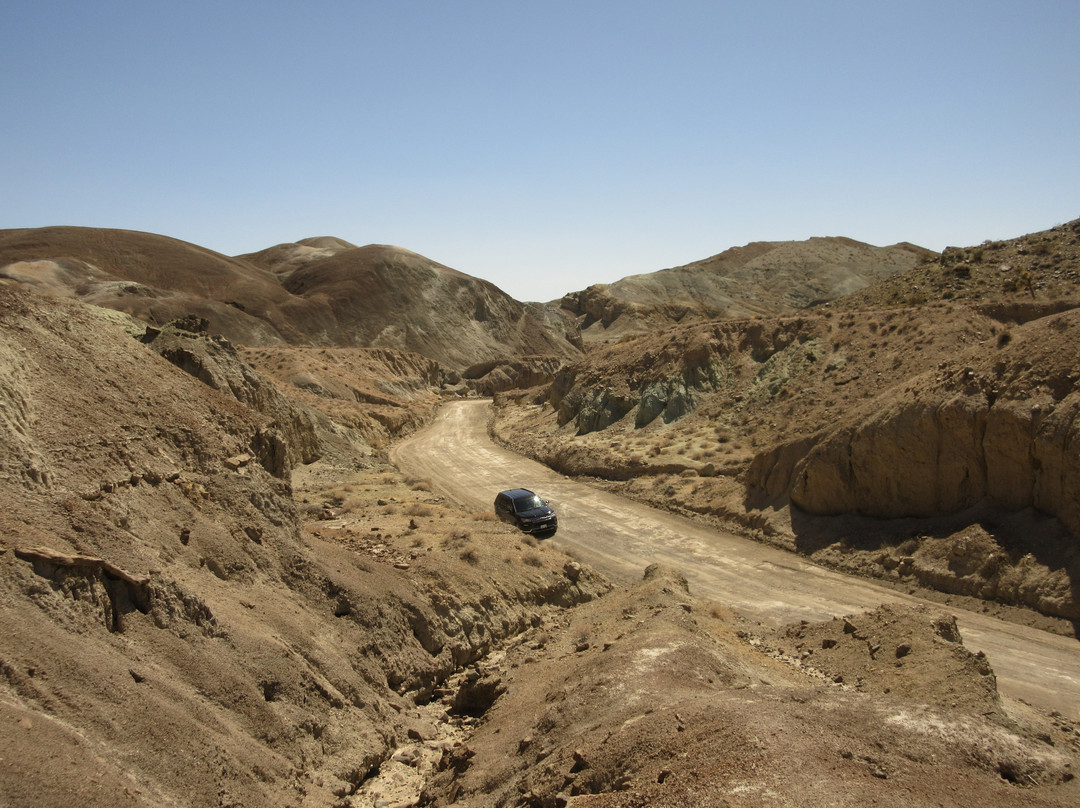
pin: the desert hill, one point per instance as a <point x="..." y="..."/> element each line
<point x="323" y="291"/>
<point x="158" y="279"/>
<point x="384" y="296"/>
<point x="1022" y="277"/>
<point x="761" y="278"/>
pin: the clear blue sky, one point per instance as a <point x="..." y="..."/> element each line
<point x="546" y="145"/>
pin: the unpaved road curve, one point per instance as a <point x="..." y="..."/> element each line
<point x="620" y="538"/>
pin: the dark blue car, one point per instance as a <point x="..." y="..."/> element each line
<point x="521" y="507"/>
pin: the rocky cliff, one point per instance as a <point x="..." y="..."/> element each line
<point x="1003" y="425"/>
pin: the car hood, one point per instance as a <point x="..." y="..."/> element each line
<point x="536" y="513"/>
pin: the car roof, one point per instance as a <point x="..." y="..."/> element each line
<point x="518" y="493"/>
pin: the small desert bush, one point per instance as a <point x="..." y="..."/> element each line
<point x="718" y="611"/>
<point x="573" y="552"/>
<point x="532" y="559"/>
<point x="484" y="516"/>
<point x="908" y="546"/>
<point x="417" y="509"/>
<point x="469" y="555"/>
<point x="418" y="484"/>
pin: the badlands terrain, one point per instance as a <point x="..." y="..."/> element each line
<point x="217" y="590"/>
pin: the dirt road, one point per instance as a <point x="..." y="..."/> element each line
<point x="620" y="538"/>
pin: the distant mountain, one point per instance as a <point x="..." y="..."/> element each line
<point x="320" y="291"/>
<point x="762" y="278"/>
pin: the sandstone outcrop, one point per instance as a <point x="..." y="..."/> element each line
<point x="489" y="378"/>
<point x="1004" y="428"/>
<point x="216" y="363"/>
<point x="667" y="378"/>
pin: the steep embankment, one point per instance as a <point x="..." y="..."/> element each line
<point x="378" y="392"/>
<point x="649" y="698"/>
<point x="1003" y="425"/>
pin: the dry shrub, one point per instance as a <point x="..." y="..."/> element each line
<point x="418" y="484"/>
<point x="417" y="509"/>
<point x="352" y="505"/>
<point x="469" y="555"/>
<point x="485" y="516"/>
<point x="718" y="611"/>
<point x="532" y="559"/>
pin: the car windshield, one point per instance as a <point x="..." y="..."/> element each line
<point x="528" y="503"/>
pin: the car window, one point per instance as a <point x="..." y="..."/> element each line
<point x="528" y="503"/>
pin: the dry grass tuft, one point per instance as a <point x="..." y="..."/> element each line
<point x="418" y="484"/>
